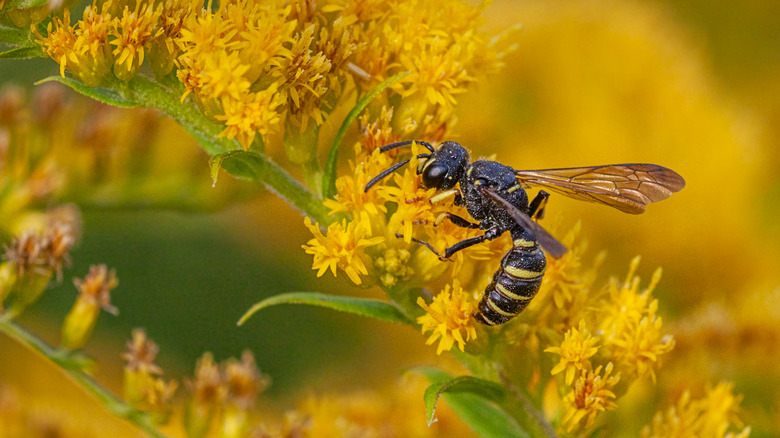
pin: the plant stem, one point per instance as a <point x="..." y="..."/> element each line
<point x="151" y="94"/>
<point x="116" y="406"/>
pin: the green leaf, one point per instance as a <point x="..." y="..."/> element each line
<point x="474" y="400"/>
<point x="358" y="306"/>
<point x="14" y="35"/>
<point x="329" y="175"/>
<point x="246" y="165"/>
<point x="23" y="53"/>
<point x="23" y="4"/>
<point x="105" y="95"/>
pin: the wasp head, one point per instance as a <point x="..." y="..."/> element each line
<point x="445" y="166"/>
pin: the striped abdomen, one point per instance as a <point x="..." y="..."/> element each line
<point x="514" y="284"/>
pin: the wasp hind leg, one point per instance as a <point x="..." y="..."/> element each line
<point x="490" y="234"/>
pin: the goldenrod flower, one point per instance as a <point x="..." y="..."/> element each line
<point x="638" y="349"/>
<point x="575" y="351"/>
<point x="449" y="317"/>
<point x="141" y="353"/>
<point x="301" y="77"/>
<point x="711" y="416"/>
<point x="141" y="388"/>
<point x="351" y="197"/>
<point x="342" y="246"/>
<point x="208" y="393"/>
<point x="83" y="48"/>
<point x="164" y="49"/>
<point x="244" y="381"/>
<point x="133" y="34"/>
<point x="631" y="329"/>
<point x="252" y="115"/>
<point x="591" y="394"/>
<point x="94" y="294"/>
<point x="392" y="266"/>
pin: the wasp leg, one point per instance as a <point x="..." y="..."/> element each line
<point x="536" y="208"/>
<point x="490" y="234"/>
<point x="457" y="220"/>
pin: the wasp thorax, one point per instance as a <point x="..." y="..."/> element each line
<point x="445" y="166"/>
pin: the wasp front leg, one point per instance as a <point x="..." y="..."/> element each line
<point x="457" y="220"/>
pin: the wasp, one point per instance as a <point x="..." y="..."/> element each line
<point x="496" y="199"/>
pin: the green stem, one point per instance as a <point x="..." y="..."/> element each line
<point x="151" y="94"/>
<point x="116" y="406"/>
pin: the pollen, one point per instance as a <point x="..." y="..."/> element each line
<point x="449" y="317"/>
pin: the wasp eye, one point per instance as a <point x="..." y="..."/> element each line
<point x="434" y="175"/>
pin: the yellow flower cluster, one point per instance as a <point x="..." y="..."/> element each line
<point x="711" y="416"/>
<point x="256" y="68"/>
<point x="619" y="328"/>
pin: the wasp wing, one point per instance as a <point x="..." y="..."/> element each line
<point x="548" y="242"/>
<point x="627" y="187"/>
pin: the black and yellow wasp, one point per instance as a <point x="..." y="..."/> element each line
<point x="495" y="197"/>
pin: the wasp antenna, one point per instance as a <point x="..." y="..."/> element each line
<point x="399" y="144"/>
<point x="385" y="173"/>
<point x="390" y="170"/>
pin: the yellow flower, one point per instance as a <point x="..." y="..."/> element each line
<point x="591" y="394"/>
<point x="449" y="317"/>
<point x="711" y="416"/>
<point x="301" y="77"/>
<point x="343" y="246"/>
<point x="351" y="196"/>
<point x="83" y="48"/>
<point x="255" y="114"/>
<point x="637" y="350"/>
<point x="575" y="350"/>
<point x="133" y="34"/>
<point x="631" y="329"/>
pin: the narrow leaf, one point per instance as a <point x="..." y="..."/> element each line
<point x="23" y="53"/>
<point x="329" y="175"/>
<point x="246" y="165"/>
<point x="358" y="306"/>
<point x="105" y="95"/>
<point x="474" y="400"/>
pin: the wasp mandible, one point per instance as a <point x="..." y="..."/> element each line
<point x="494" y="196"/>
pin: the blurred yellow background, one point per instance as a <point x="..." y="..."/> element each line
<point x="692" y="85"/>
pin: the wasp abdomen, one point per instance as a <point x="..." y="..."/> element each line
<point x="514" y="284"/>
